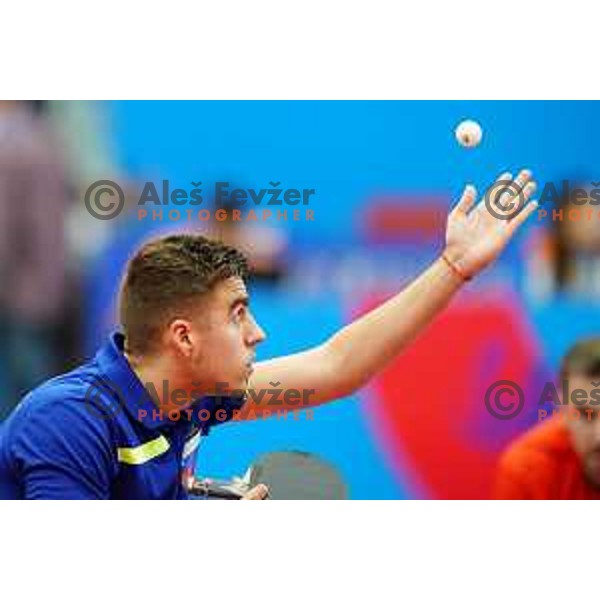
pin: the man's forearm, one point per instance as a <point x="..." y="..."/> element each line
<point x="474" y="238"/>
<point x="354" y="354"/>
<point x="362" y="348"/>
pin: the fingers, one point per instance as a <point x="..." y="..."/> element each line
<point x="521" y="180"/>
<point x="260" y="492"/>
<point x="528" y="191"/>
<point x="515" y="223"/>
<point x="466" y="201"/>
<point x="507" y="197"/>
<point x="498" y="189"/>
<point x="514" y="192"/>
<point x="516" y="206"/>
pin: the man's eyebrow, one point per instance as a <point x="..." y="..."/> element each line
<point x="240" y="300"/>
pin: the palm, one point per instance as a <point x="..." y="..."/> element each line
<point x="476" y="236"/>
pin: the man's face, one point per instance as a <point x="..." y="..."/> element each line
<point x="225" y="336"/>
<point x="583" y="423"/>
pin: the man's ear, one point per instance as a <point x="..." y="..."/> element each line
<point x="182" y="337"/>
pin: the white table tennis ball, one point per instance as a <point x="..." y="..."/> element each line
<point x="468" y="134"/>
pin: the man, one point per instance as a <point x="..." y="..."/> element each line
<point x="559" y="459"/>
<point x="116" y="427"/>
<point x="33" y="297"/>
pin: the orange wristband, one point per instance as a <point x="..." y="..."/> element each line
<point x="455" y="268"/>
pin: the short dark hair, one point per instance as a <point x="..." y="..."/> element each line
<point x="582" y="359"/>
<point x="165" y="276"/>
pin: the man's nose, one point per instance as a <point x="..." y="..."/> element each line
<point x="256" y="333"/>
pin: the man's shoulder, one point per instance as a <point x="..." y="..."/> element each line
<point x="72" y="382"/>
<point x="71" y="399"/>
<point x="57" y="434"/>
<point x="546" y="442"/>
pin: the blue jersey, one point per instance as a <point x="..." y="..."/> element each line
<point x="97" y="433"/>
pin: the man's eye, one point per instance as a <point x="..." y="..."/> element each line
<point x="239" y="314"/>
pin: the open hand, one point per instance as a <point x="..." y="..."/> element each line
<point x="476" y="235"/>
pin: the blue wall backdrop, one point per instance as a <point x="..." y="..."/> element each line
<point x="349" y="152"/>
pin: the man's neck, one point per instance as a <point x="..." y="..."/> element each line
<point x="161" y="383"/>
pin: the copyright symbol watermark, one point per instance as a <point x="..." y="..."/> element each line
<point x="103" y="399"/>
<point x="104" y="199"/>
<point x="504" y="200"/>
<point x="504" y="399"/>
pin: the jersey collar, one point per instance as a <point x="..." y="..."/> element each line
<point x="128" y="389"/>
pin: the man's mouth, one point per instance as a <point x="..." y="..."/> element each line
<point x="250" y="365"/>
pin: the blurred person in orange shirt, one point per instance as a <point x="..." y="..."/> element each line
<point x="559" y="458"/>
<point x="33" y="201"/>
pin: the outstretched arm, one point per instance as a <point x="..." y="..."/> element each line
<point x="351" y="357"/>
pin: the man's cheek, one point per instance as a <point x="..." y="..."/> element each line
<point x="581" y="438"/>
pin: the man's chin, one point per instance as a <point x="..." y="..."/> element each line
<point x="230" y="386"/>
<point x="240" y="389"/>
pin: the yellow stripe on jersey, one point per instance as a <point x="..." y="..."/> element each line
<point x="139" y="455"/>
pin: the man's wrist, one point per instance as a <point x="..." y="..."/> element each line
<point x="454" y="266"/>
